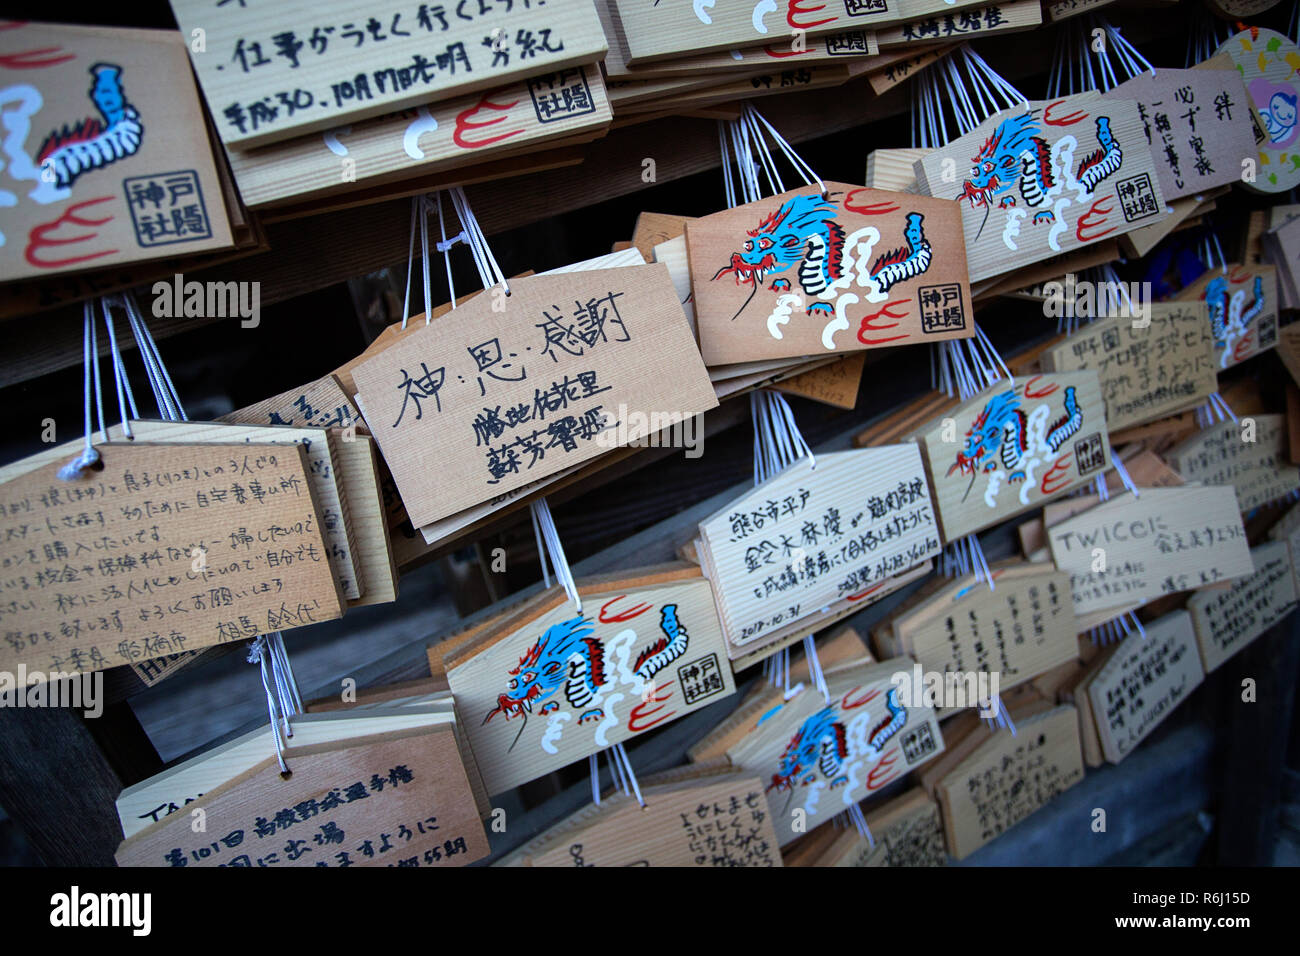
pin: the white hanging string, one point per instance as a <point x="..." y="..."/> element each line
<point x="854" y="814"/>
<point x="120" y="381"/>
<point x="815" y="667"/>
<point x="89" y="455"/>
<point x="410" y="259"/>
<point x="629" y="775"/>
<point x="478" y="243"/>
<point x="805" y="171"/>
<point x="551" y="538"/>
<point x="282" y="702"/>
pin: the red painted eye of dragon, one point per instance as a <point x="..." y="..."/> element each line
<point x="988" y="167"/>
<point x="749" y="245"/>
<point x="765" y="243"/>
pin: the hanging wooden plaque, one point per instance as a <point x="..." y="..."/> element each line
<point x="949" y="26"/>
<point x="1267" y="62"/>
<point x="1227" y="619"/>
<point x="799" y="274"/>
<point x="1144" y="680"/>
<point x="399" y="800"/>
<point x="814" y="536"/>
<point x="1128" y="550"/>
<point x="1288" y="529"/>
<point x="1043" y="180"/>
<point x="1243" y="306"/>
<point x="523" y="386"/>
<point x="1147" y="371"/>
<point x="1013" y="447"/>
<point x="270" y="71"/>
<point x="166" y="548"/>
<point x="1249" y="455"/>
<point x="549" y="686"/>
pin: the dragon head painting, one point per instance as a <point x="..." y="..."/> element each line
<point x="820" y="742"/>
<point x="545" y="668"/>
<point x="997" y="167"/>
<point x="1002" y="418"/>
<point x="803" y="227"/>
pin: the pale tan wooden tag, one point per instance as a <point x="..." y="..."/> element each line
<point x="1019" y="629"/>
<point x="1197" y="124"/>
<point x="822" y="757"/>
<point x="898" y="65"/>
<point x="1249" y="455"/>
<point x="1267" y="61"/>
<point x="1008" y="777"/>
<point x="1064" y="9"/>
<point x="1013" y="447"/>
<point x="907" y="831"/>
<point x="525" y="385"/>
<point x="1288" y="529"/>
<point x="391" y="800"/>
<point x="799" y="274"/>
<point x="1045" y="179"/>
<point x="107" y="569"/>
<point x="1143" y="681"/>
<point x="950" y="26"/>
<point x="108" y="155"/>
<point x="1227" y="619"/>
<point x="291" y="67"/>
<point x="549" y="686"/>
<point x="1164" y="541"/>
<point x="1146" y="372"/>
<point x="814" y="536"/>
<point x="1243" y="306"/>
<point x="834" y="384"/>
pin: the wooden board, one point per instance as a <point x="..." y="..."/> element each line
<point x="609" y="377"/>
<point x="889" y="75"/>
<point x="816" y="534"/>
<point x="1014" y="219"/>
<point x="835" y="384"/>
<point x="1148" y="372"/>
<point x="898" y="278"/>
<point x="1008" y="778"/>
<point x="1259" y="470"/>
<point x="1287" y="529"/>
<point x="1227" y="619"/>
<point x="1165" y="541"/>
<point x="894" y="169"/>
<point x="400" y="800"/>
<point x="793" y="746"/>
<point x="111" y="556"/>
<point x="1197" y="124"/>
<point x="645" y="650"/>
<point x="1243" y="306"/>
<point x="430" y="139"/>
<point x="271" y="71"/>
<point x="107" y="155"/>
<point x="1143" y="681"/>
<point x="976" y="485"/>
<point x="1267" y="62"/>
<point x="951" y="26"/>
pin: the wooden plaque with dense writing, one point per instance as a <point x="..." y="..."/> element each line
<point x="1227" y="619"/>
<point x="1250" y="455"/>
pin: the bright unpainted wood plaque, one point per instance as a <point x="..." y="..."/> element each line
<point x="1142" y="683"/>
<point x="425" y="140"/>
<point x="1015" y="446"/>
<point x="166" y="548"/>
<point x="1227" y="619"/>
<point x="812" y="536"/>
<point x="822" y="756"/>
<point x="550" y="686"/>
<point x="107" y="156"/>
<point x="1164" y="541"/>
<point x="1267" y="62"/>
<point x="1044" y="180"/>
<point x="522" y="386"/>
<point x="1008" y="778"/>
<point x="1221" y="455"/>
<point x="951" y="26"/>
<point x="799" y="274"/>
<point x="272" y="69"/>
<point x="1146" y="373"/>
<point x="1197" y="124"/>
<point x="1243" y="306"/>
<point x="391" y="800"/>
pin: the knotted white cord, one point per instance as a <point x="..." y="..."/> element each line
<point x="89" y="455"/>
<point x="554" y="550"/>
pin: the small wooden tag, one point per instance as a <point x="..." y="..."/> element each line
<point x="1249" y="455"/>
<point x="1243" y="307"/>
<point x="1227" y="619"/>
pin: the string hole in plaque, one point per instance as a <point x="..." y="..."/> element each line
<point x="286" y="774"/>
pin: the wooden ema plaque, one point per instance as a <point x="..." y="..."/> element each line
<point x="1250" y="455"/>
<point x="273" y="70"/>
<point x="107" y="157"/>
<point x="1146" y="372"/>
<point x="1127" y="551"/>
<point x="1228" y="619"/>
<point x="907" y="832"/>
<point x="388" y="801"/>
<point x="550" y="686"/>
<point x="1044" y="180"/>
<point x="816" y="536"/>
<point x="523" y="386"/>
<point x="166" y="548"/>
<point x="1243" y="306"/>
<point x="1019" y="629"/>
<point x="1197" y="124"/>
<point x="1267" y="62"/>
<point x="802" y="274"/>
<point x="1009" y="777"/>
<point x="1288" y="529"/>
<point x="1143" y="681"/>
<point x="819" y="757"/>
<point x="1013" y="447"/>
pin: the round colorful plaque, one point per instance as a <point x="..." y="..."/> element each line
<point x="1269" y="63"/>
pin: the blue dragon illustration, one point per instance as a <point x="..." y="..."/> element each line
<point x="1226" y="313"/>
<point x="821" y="744"/>
<point x="93" y="142"/>
<point x="999" y="435"/>
<point x="569" y="656"/>
<point x="1016" y="156"/>
<point x="803" y="232"/>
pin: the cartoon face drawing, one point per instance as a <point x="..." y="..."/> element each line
<point x="1280" y="117"/>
